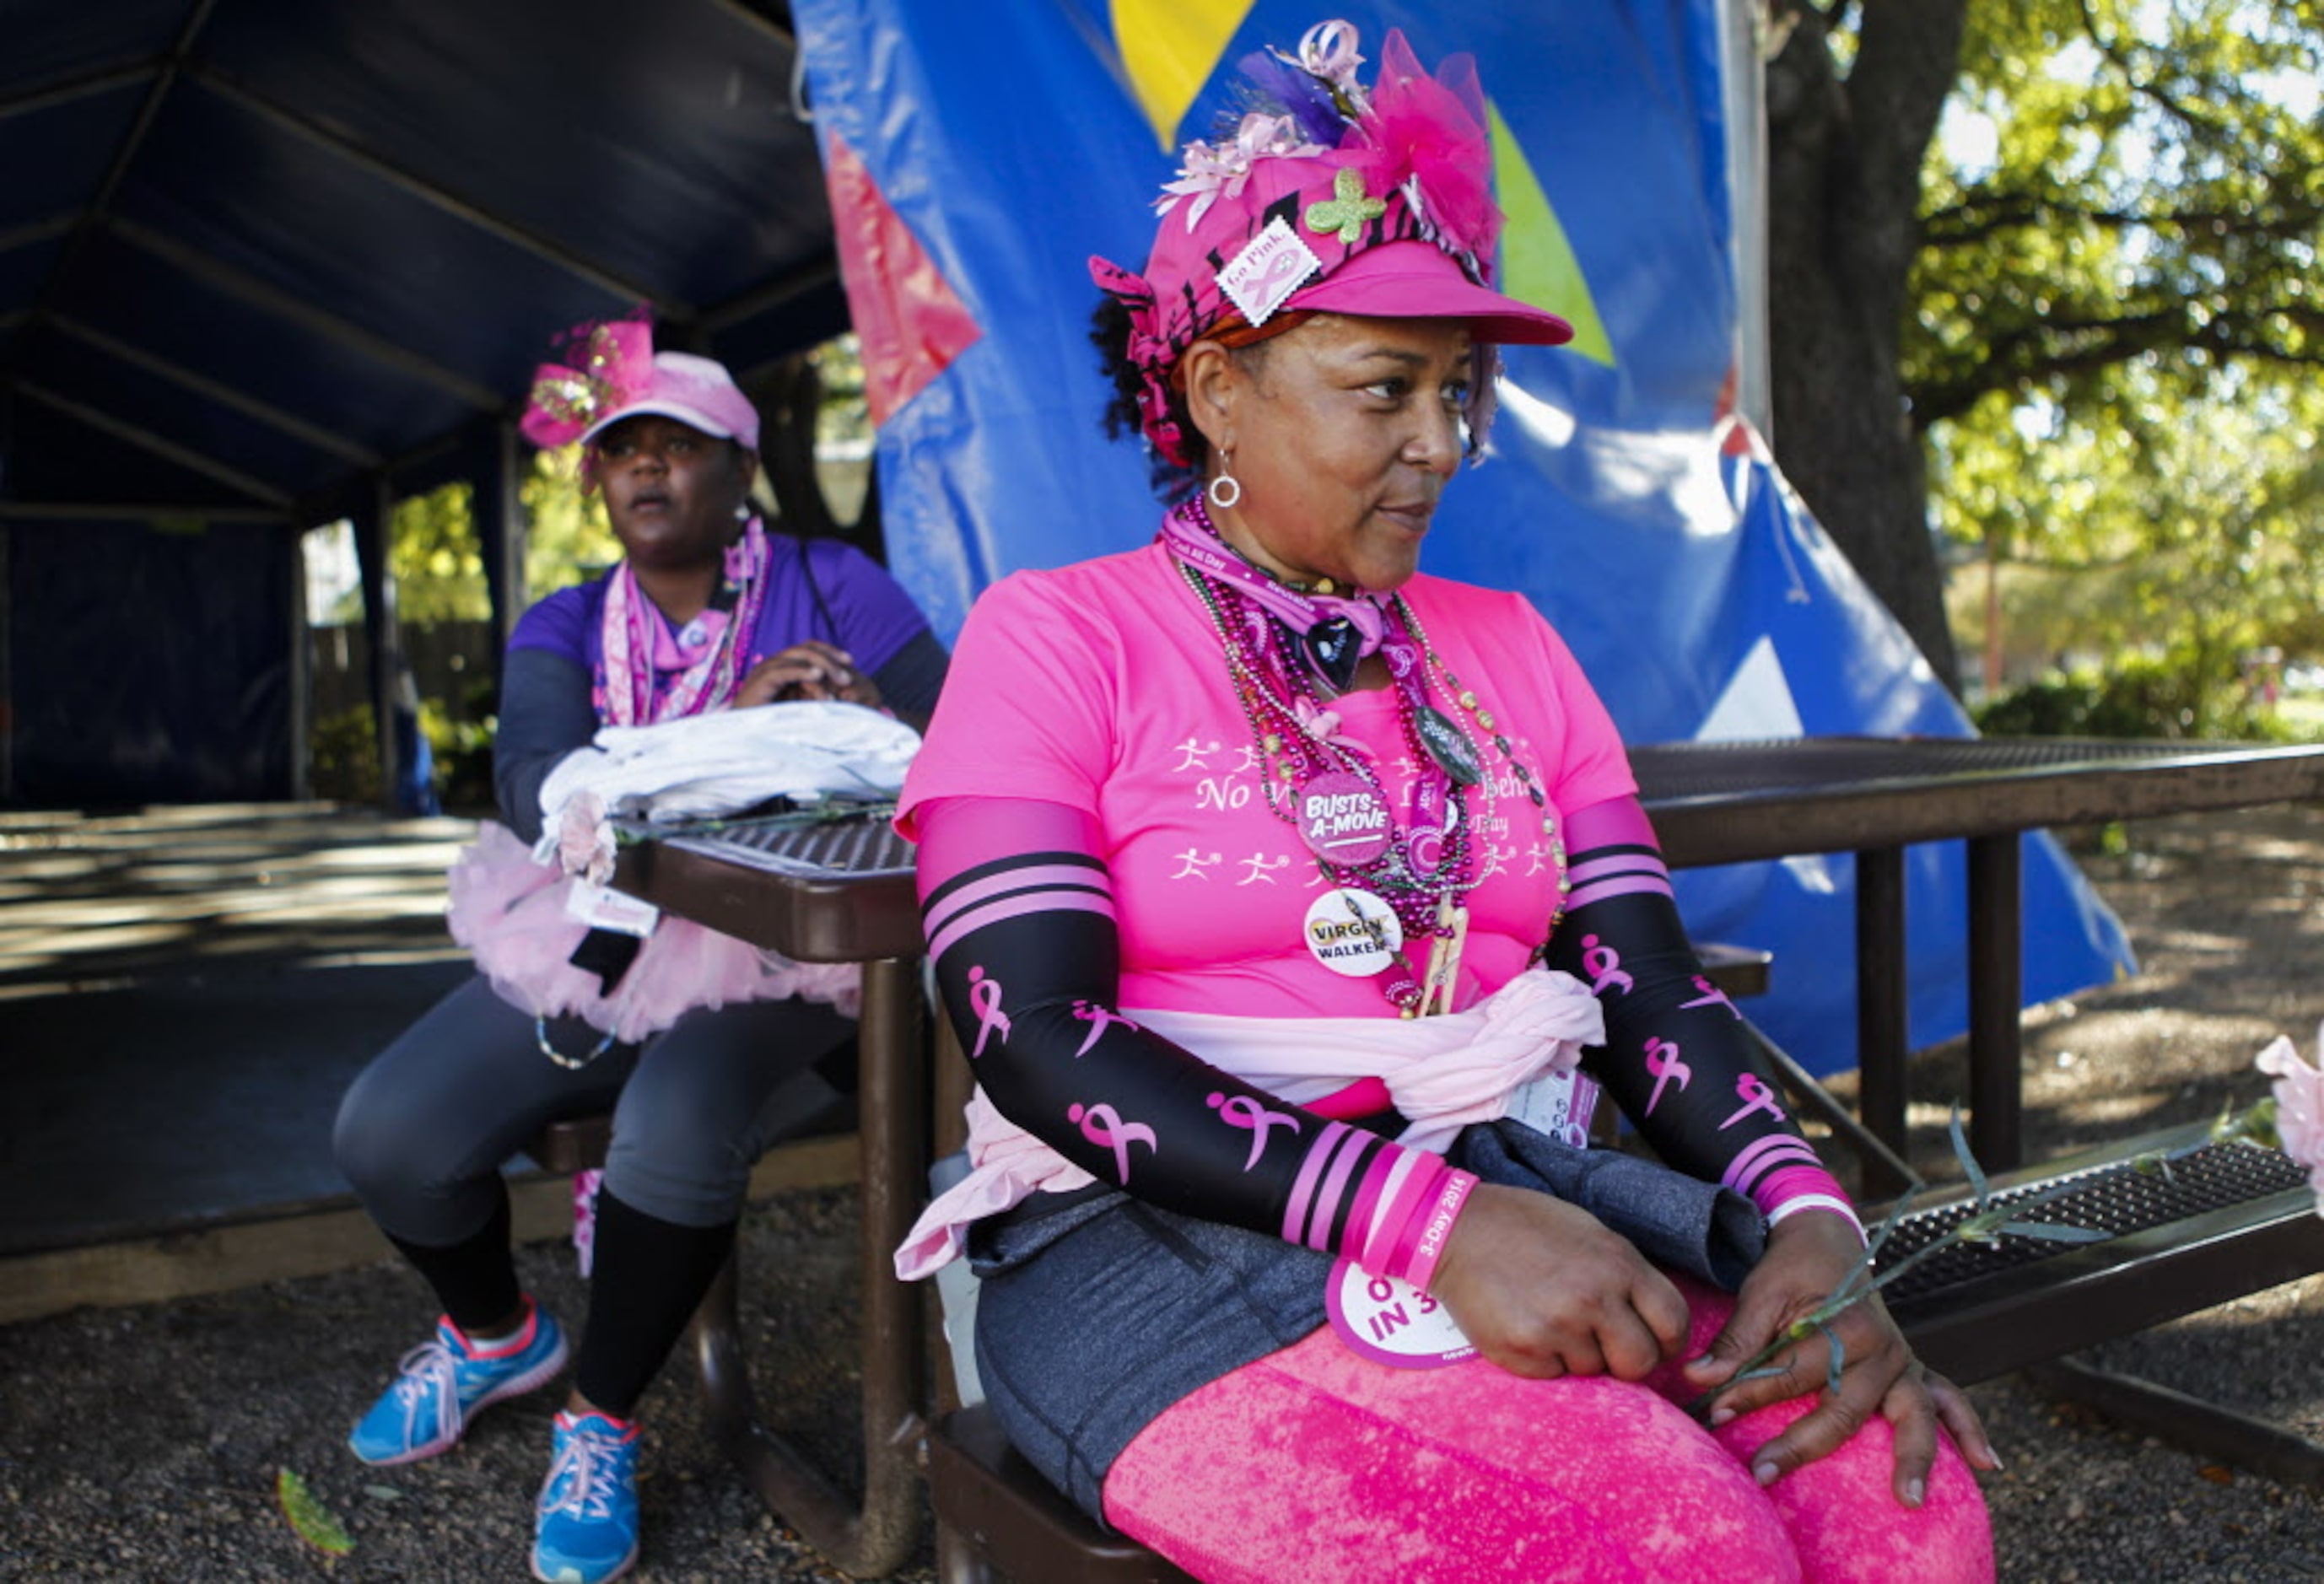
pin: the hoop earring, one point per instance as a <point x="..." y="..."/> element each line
<point x="1226" y="488"/>
<point x="742" y="510"/>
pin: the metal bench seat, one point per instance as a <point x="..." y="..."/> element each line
<point x="2226" y="1220"/>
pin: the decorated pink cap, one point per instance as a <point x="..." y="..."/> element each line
<point x="614" y="372"/>
<point x="1332" y="200"/>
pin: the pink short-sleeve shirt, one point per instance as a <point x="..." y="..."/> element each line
<point x="1103" y="686"/>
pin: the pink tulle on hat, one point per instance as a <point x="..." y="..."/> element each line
<point x="614" y="372"/>
<point x="1331" y="199"/>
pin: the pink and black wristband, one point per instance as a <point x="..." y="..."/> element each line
<point x="1786" y="1191"/>
<point x="1432" y="1230"/>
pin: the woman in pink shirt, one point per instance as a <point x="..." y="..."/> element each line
<point x="1294" y="908"/>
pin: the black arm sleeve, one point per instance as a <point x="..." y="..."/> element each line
<point x="1677" y="1058"/>
<point x="1030" y="969"/>
<point x="545" y="714"/>
<point x="912" y="677"/>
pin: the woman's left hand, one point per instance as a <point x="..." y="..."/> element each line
<point x="812" y="669"/>
<point x="1808" y="1255"/>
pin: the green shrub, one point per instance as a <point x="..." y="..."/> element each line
<point x="345" y="751"/>
<point x="2138" y="696"/>
<point x="463" y="750"/>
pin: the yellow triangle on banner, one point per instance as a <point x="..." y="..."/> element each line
<point x="1537" y="263"/>
<point x="1171" y="48"/>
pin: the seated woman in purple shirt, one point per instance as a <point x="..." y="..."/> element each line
<point x="707" y="610"/>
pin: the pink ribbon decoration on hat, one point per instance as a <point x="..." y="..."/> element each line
<point x="611" y="365"/>
<point x="1204" y="171"/>
<point x="1328" y="50"/>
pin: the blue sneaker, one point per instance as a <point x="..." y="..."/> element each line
<point x="585" y="1530"/>
<point x="441" y="1383"/>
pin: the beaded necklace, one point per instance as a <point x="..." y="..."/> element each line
<point x="1419" y="866"/>
<point x="1467" y="699"/>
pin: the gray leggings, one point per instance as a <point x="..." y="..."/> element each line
<point x="424" y="1129"/>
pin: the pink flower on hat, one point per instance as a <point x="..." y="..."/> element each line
<point x="1204" y="172"/>
<point x="1427" y="134"/>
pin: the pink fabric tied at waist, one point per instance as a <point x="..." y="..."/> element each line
<point x="510" y="912"/>
<point x="1442" y="1074"/>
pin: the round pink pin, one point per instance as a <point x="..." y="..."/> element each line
<point x="1343" y="820"/>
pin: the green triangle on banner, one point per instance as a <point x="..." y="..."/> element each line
<point x="1537" y="263"/>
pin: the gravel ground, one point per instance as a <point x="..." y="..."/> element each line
<point x="144" y="1443"/>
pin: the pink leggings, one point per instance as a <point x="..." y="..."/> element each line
<point x="1471" y="1474"/>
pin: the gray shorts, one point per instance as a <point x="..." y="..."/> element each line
<point x="1097" y="1310"/>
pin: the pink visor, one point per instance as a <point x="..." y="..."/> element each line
<point x="611" y="372"/>
<point x="1418" y="280"/>
<point x="694" y="391"/>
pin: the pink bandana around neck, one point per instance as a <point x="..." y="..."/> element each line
<point x="629" y="692"/>
<point x="1194" y="539"/>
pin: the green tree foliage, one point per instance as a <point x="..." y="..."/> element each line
<point x="2111" y="356"/>
<point x="2191" y="542"/>
<point x="438" y="561"/>
<point x="569" y="540"/>
<point x="439" y="572"/>
<point x="2154" y="197"/>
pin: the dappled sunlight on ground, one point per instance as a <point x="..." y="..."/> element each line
<point x="170" y="889"/>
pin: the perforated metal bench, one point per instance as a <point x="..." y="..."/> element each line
<point x="2228" y="1220"/>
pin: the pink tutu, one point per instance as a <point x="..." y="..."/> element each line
<point x="509" y="911"/>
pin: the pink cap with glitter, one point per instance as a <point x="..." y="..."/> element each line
<point x="614" y="372"/>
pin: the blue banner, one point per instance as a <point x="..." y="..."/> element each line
<point x="979" y="155"/>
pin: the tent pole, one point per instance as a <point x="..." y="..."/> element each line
<point x="375" y="522"/>
<point x="302" y="677"/>
<point x="1743" y="88"/>
<point x="501" y="534"/>
<point x="7" y="602"/>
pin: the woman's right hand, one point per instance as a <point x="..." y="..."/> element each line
<point x="811" y="668"/>
<point x="1545" y="1289"/>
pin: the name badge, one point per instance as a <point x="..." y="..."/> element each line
<point x="603" y="907"/>
<point x="1390" y="1322"/>
<point x="1558" y="1105"/>
<point x="1353" y="932"/>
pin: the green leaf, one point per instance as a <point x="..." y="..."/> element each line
<point x="1834" y="1362"/>
<point x="2049" y="1232"/>
<point x="311" y="1519"/>
<point x="1970" y="1169"/>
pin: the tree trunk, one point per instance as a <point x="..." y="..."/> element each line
<point x="1844" y="161"/>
